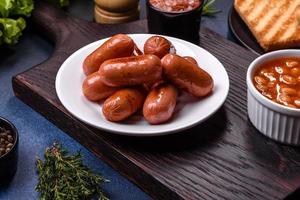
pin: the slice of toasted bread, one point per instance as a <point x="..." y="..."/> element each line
<point x="274" y="23"/>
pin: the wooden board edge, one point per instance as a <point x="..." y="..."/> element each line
<point x="103" y="151"/>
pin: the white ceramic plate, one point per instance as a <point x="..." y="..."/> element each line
<point x="189" y="111"/>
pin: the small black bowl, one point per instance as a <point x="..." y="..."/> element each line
<point x="184" y="25"/>
<point x="9" y="161"/>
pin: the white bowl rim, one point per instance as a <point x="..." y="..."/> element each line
<point x="257" y="95"/>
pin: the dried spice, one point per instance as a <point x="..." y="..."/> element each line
<point x="6" y="141"/>
<point x="65" y="177"/>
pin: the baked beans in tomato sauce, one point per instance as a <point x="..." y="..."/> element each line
<point x="279" y="80"/>
<point x="175" y="5"/>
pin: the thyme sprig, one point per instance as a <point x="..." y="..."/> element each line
<point x="65" y="177"/>
<point x="208" y="8"/>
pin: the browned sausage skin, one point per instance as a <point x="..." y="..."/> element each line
<point x="160" y="104"/>
<point x="95" y="90"/>
<point x="187" y="75"/>
<point x="117" y="46"/>
<point x="122" y="104"/>
<point x="158" y="46"/>
<point x="191" y="59"/>
<point x="135" y="70"/>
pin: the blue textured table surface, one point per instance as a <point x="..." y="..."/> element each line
<point x="36" y="133"/>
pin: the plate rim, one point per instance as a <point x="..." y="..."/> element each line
<point x="144" y="134"/>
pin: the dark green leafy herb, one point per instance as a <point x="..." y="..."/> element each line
<point x="12" y="18"/>
<point x="12" y="22"/>
<point x="11" y="30"/>
<point x="65" y="177"/>
<point x="208" y="8"/>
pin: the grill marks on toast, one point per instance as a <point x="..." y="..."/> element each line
<point x="269" y="15"/>
<point x="248" y="7"/>
<point x="274" y="23"/>
<point x="257" y="10"/>
<point x="294" y="28"/>
<point x="281" y="24"/>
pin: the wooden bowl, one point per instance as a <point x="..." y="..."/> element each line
<point x="117" y="5"/>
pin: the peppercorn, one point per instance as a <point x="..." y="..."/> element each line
<point x="6" y="141"/>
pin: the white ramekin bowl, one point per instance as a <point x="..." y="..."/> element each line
<point x="275" y="121"/>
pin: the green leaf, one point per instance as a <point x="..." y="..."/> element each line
<point x="208" y="8"/>
<point x="11" y="30"/>
<point x="10" y="8"/>
<point x="22" y="7"/>
<point x="11" y="22"/>
<point x="6" y="7"/>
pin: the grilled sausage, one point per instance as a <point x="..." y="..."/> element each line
<point x="158" y="46"/>
<point x="130" y="71"/>
<point x="160" y="104"/>
<point x="117" y="46"/>
<point x="123" y="104"/>
<point x="187" y="75"/>
<point x="191" y="59"/>
<point x="94" y="89"/>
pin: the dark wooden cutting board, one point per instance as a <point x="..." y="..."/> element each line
<point x="223" y="158"/>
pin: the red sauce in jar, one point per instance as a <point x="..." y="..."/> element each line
<point x="279" y="80"/>
<point x="175" y="5"/>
